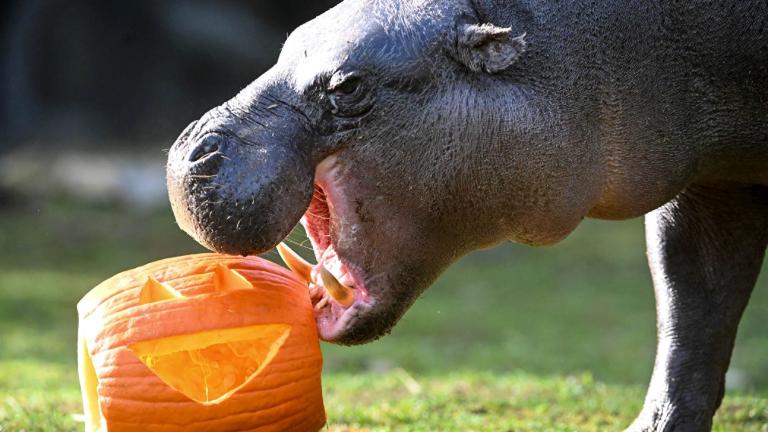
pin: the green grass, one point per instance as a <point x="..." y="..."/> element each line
<point x="476" y="401"/>
<point x="513" y="338"/>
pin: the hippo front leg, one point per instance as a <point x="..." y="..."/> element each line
<point x="705" y="249"/>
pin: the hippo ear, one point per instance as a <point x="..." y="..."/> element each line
<point x="486" y="47"/>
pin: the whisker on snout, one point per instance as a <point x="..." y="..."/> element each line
<point x="299" y="244"/>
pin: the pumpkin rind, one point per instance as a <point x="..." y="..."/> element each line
<point x="284" y="394"/>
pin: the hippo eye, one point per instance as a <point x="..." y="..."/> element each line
<point x="347" y="87"/>
<point x="348" y="96"/>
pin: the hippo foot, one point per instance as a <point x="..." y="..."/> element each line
<point x="665" y="417"/>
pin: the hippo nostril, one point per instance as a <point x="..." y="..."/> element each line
<point x="207" y="146"/>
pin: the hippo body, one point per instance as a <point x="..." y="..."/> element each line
<point x="406" y="134"/>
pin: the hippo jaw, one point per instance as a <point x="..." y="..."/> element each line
<point x="328" y="208"/>
<point x="348" y="240"/>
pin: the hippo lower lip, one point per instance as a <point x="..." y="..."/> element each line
<point x="334" y="315"/>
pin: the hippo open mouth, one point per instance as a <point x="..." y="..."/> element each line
<point x="336" y="286"/>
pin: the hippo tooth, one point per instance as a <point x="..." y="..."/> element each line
<point x="321" y="303"/>
<point x="341" y="293"/>
<point x="295" y="262"/>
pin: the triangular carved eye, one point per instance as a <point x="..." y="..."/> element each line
<point x="155" y="291"/>
<point x="226" y="279"/>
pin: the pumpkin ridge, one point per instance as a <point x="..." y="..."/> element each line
<point x="219" y="420"/>
<point x="276" y="287"/>
<point x="150" y="318"/>
<point x="286" y="361"/>
<point x="246" y="393"/>
<point x="121" y="347"/>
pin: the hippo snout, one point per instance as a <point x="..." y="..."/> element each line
<point x="237" y="191"/>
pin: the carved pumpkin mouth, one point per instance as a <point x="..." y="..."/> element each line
<point x="211" y="366"/>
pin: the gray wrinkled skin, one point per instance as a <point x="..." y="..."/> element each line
<point x="458" y="124"/>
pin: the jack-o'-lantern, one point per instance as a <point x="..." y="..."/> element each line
<point x="200" y="343"/>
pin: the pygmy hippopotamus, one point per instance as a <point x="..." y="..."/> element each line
<point x="405" y="134"/>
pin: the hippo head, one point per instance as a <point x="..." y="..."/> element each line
<point x="398" y="134"/>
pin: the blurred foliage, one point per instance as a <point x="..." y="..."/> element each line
<point x="131" y="73"/>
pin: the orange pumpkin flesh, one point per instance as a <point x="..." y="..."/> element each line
<point x="200" y="343"/>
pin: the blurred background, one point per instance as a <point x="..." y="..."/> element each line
<point x="92" y="94"/>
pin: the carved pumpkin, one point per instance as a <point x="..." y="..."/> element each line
<point x="200" y="343"/>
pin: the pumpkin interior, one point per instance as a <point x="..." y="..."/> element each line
<point x="89" y="383"/>
<point x="208" y="367"/>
